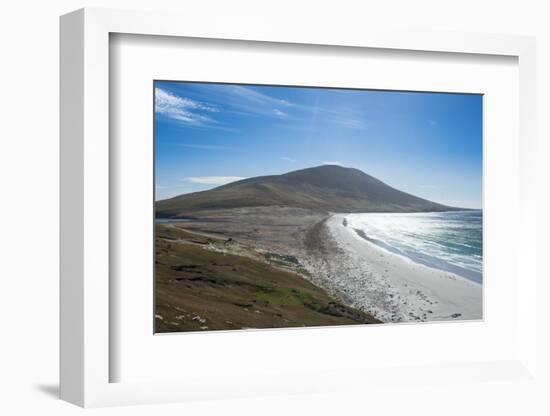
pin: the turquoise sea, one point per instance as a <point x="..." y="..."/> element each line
<point x="451" y="241"/>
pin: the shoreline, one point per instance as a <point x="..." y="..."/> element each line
<point x="351" y="270"/>
<point x="462" y="265"/>
<point x="392" y="287"/>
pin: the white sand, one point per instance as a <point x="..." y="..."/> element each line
<point x="392" y="287"/>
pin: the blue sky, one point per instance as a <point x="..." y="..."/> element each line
<point x="426" y="144"/>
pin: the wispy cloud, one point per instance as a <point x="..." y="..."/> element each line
<point x="199" y="105"/>
<point x="280" y="113"/>
<point x="432" y="123"/>
<point x="183" y="109"/>
<point x="288" y="159"/>
<point x="244" y="100"/>
<point x="250" y="101"/>
<point x="213" y="180"/>
<point x="204" y="146"/>
<point x="332" y="163"/>
<point x="253" y="95"/>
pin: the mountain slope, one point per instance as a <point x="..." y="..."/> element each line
<point x="325" y="188"/>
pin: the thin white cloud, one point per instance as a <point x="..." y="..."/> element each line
<point x="240" y="99"/>
<point x="183" y="109"/>
<point x="288" y="159"/>
<point x="280" y="113"/>
<point x="432" y="123"/>
<point x="332" y="163"/>
<point x="245" y="100"/>
<point x="259" y="98"/>
<point x="213" y="180"/>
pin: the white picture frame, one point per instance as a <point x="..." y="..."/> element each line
<point x="86" y="355"/>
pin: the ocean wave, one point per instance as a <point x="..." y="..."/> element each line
<point x="449" y="241"/>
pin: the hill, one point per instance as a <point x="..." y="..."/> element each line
<point x="323" y="188"/>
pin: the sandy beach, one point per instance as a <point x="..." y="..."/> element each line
<point x="391" y="287"/>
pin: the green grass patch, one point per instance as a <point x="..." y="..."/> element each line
<point x="281" y="258"/>
<point x="303" y="271"/>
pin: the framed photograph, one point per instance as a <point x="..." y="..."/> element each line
<point x="243" y="213"/>
<point x="266" y="217"/>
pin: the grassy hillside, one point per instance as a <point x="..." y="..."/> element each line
<point x="323" y="188"/>
<point x="202" y="284"/>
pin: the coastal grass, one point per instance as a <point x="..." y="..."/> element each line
<point x="205" y="283"/>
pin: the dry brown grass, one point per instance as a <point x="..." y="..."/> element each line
<point x="198" y="287"/>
